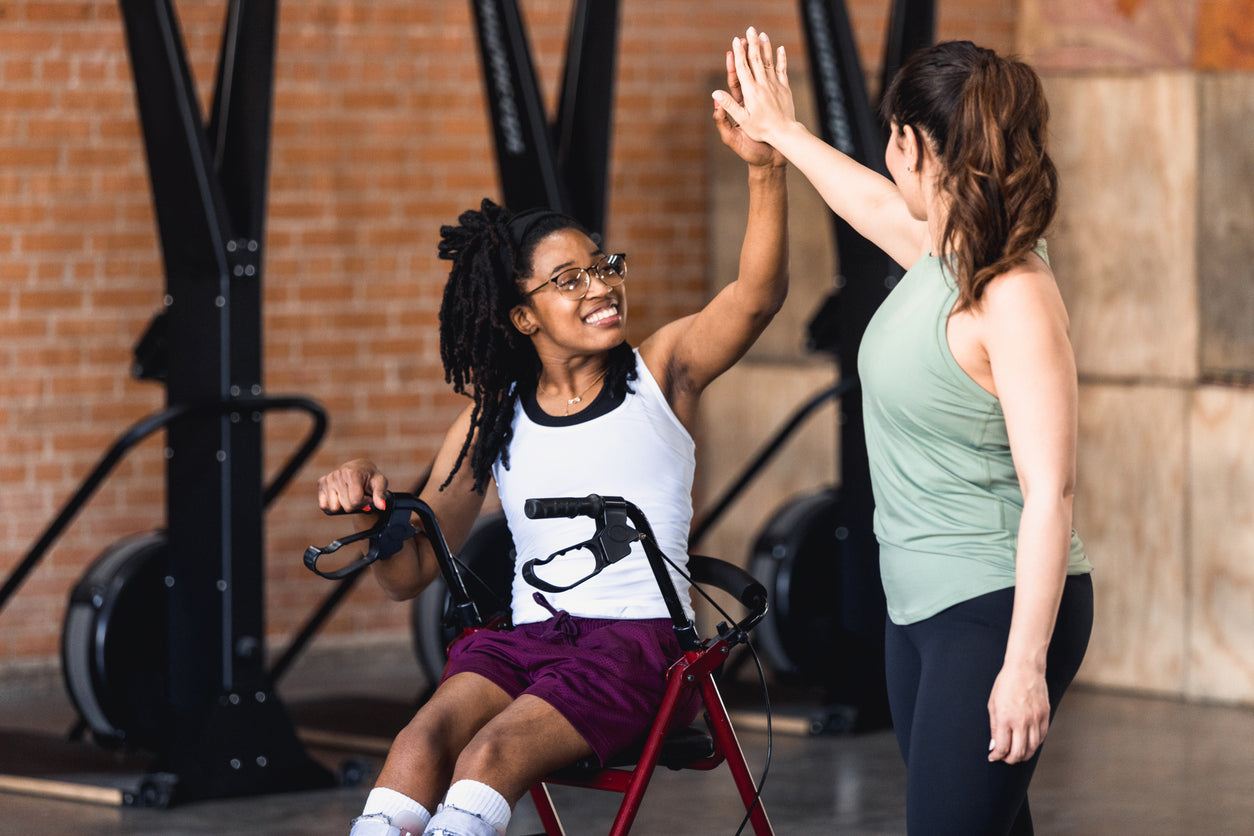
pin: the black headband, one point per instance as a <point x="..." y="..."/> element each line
<point x="520" y="225"/>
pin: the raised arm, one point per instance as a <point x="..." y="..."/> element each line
<point x="689" y="353"/>
<point x="407" y="573"/>
<point x="763" y="108"/>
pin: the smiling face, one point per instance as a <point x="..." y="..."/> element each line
<point x="559" y="325"/>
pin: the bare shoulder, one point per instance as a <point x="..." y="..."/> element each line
<point x="1025" y="293"/>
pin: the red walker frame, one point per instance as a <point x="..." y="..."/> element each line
<point x="619" y="524"/>
<point x="694" y="670"/>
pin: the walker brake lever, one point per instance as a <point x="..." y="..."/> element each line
<point x="610" y="544"/>
<point x="386" y="537"/>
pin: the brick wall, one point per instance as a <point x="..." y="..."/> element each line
<point x="380" y="136"/>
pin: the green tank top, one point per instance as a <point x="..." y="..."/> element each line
<point x="947" y="499"/>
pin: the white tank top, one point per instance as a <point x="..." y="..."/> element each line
<point x="636" y="449"/>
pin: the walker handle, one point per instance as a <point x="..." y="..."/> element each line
<point x="387" y="536"/>
<point x="564" y="506"/>
<point x="619" y="524"/>
<point x="610" y="544"/>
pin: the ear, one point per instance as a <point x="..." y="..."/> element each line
<point x="523" y="320"/>
<point x="912" y="147"/>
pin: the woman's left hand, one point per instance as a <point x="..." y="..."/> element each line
<point x="734" y="137"/>
<point x="1018" y="714"/>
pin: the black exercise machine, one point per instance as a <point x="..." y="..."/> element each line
<point x="563" y="165"/>
<point x="164" y="645"/>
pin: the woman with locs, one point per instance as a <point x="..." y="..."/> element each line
<point x="532" y="327"/>
<point x="969" y="399"/>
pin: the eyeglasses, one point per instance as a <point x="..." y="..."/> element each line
<point x="573" y="284"/>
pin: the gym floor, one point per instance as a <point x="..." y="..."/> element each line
<point x="1114" y="764"/>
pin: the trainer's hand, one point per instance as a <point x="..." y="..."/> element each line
<point x="760" y="101"/>
<point x="1018" y="714"/>
<point x="750" y="150"/>
<point x="348" y="487"/>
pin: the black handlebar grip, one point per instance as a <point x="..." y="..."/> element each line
<point x="366" y="507"/>
<point x="566" y="506"/>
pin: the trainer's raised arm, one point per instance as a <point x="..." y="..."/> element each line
<point x="760" y="101"/>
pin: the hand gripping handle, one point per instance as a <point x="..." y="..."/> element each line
<point x="386" y="538"/>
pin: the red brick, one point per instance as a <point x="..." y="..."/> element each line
<point x="30" y="156"/>
<point x="99" y="213"/>
<point x="60" y="12"/>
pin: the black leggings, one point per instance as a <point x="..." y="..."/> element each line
<point x="940" y="673"/>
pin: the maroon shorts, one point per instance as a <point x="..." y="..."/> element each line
<point x="606" y="676"/>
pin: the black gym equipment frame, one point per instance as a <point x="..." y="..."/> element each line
<point x="230" y="734"/>
<point x="866" y="274"/>
<point x="563" y="166"/>
<point x="225" y="732"/>
<point x="848" y="122"/>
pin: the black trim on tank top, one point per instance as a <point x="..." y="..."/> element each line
<point x="603" y="404"/>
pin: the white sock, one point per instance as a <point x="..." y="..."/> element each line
<point x="480" y="801"/>
<point x="401" y="810"/>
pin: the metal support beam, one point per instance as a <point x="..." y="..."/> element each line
<point x="866" y="274"/>
<point x="230" y="734"/>
<point x="562" y="166"/>
<point x="584" y="119"/>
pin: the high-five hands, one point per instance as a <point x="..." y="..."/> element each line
<point x="758" y="100"/>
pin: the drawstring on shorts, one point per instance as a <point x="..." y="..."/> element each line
<point x="564" y="626"/>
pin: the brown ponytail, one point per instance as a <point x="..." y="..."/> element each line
<point x="987" y="119"/>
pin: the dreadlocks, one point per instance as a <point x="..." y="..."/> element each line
<point x="483" y="354"/>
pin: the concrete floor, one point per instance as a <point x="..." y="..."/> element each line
<point x="1114" y="764"/>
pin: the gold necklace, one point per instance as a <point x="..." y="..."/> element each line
<point x="579" y="398"/>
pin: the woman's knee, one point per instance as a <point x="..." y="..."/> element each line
<point x="457" y="711"/>
<point x="491" y="746"/>
<point x="423" y="733"/>
<point x="518" y="748"/>
<point x="426" y="743"/>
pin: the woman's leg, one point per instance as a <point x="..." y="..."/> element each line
<point x="951" y="786"/>
<point x="517" y="748"/>
<point x="595" y="685"/>
<point x="421" y="760"/>
<point x="902" y="668"/>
